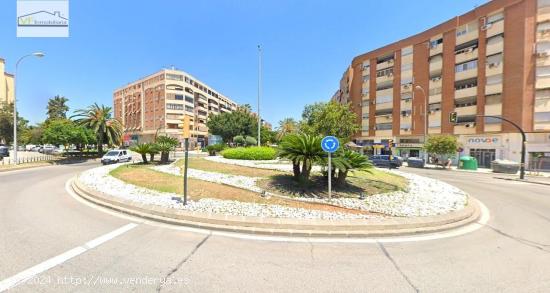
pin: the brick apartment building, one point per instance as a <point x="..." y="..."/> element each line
<point x="157" y="104"/>
<point x="493" y="60"/>
<point x="6" y="85"/>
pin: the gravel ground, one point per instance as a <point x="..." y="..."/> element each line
<point x="424" y="197"/>
<point x="100" y="180"/>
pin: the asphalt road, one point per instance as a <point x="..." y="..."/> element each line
<point x="39" y="220"/>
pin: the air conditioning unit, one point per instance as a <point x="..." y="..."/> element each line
<point x="470" y="125"/>
<point x="408" y="100"/>
<point x="408" y="85"/>
<point x="469" y="50"/>
<point x="438" y="78"/>
<point x="406" y="129"/>
<point x="431" y="112"/>
<point x="388" y="116"/>
<point x="542" y="54"/>
<point x="494" y="64"/>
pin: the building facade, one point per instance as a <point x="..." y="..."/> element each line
<point x="493" y="60"/>
<point x="6" y="85"/>
<point x="157" y="104"/>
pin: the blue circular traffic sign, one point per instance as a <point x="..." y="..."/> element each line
<point x="330" y="144"/>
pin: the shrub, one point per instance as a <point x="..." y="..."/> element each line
<point x="215" y="148"/>
<point x="250" y="141"/>
<point x="239" y="140"/>
<point x="250" y="153"/>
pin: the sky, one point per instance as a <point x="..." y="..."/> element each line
<point x="307" y="45"/>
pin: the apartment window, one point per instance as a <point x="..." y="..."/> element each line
<point x="407" y="80"/>
<point x="189" y="99"/>
<point x="365" y="128"/>
<point x="494" y="79"/>
<point x="405" y="127"/>
<point x="493" y="99"/>
<point x="543" y="71"/>
<point x="494" y="60"/>
<point x="465" y="102"/>
<point x="466" y="119"/>
<point x="542" y="117"/>
<point x="189" y="108"/>
<point x="466" y="66"/>
<point x="384" y="72"/>
<point x="434" y="123"/>
<point x="462" y="30"/>
<point x="174" y="87"/>
<point x="384" y="126"/>
<point x="384" y="99"/>
<point x="365" y="116"/>
<point x="467" y="47"/>
<point x="383" y="112"/>
<point x="174" y="77"/>
<point x="492" y="120"/>
<point x="465" y="84"/>
<point x="495" y="39"/>
<point x="435" y="43"/>
<point x="405" y="67"/>
<point x="435" y="91"/>
<point x="384" y="86"/>
<point x="174" y="106"/>
<point x="178" y="97"/>
<point x="365" y="103"/>
<point x="366" y="78"/>
<point x="406" y="97"/>
<point x="406" y="51"/>
<point x="495" y="18"/>
<point x="366" y="65"/>
<point x="388" y="58"/>
<point x="406" y="113"/>
<point x="434" y="107"/>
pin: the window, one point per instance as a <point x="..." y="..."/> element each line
<point x="384" y="99"/>
<point x="494" y="60"/>
<point x="174" y="77"/>
<point x="434" y="123"/>
<point x="407" y="80"/>
<point x="466" y="66"/>
<point x="406" y="97"/>
<point x="384" y="126"/>
<point x="495" y="18"/>
<point x="436" y="58"/>
<point x="406" y="113"/>
<point x="189" y="108"/>
<point x="543" y="71"/>
<point x="471" y="27"/>
<point x="492" y="120"/>
<point x="189" y="99"/>
<point x="465" y="102"/>
<point x="466" y="118"/>
<point x="388" y="58"/>
<point x="495" y="39"/>
<point x="434" y="107"/>
<point x="366" y="65"/>
<point x="384" y="72"/>
<point x="493" y="99"/>
<point x="406" y="51"/>
<point x="383" y="112"/>
<point x="494" y="79"/>
<point x="178" y="97"/>
<point x="365" y="91"/>
<point x="365" y="116"/>
<point x="542" y="117"/>
<point x="174" y="87"/>
<point x="405" y="67"/>
<point x="435" y="43"/>
<point x="435" y="91"/>
<point x="366" y="78"/>
<point x="384" y="85"/>
<point x="465" y="84"/>
<point x="405" y="127"/>
<point x="174" y="106"/>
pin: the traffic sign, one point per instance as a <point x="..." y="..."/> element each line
<point x="330" y="144"/>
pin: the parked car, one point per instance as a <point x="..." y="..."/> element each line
<point x="4" y="151"/>
<point x="384" y="161"/>
<point x="29" y="147"/>
<point x="48" y="149"/>
<point x="116" y="156"/>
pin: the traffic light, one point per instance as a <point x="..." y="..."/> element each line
<point x="453" y="117"/>
<point x="390" y="143"/>
<point x="185" y="127"/>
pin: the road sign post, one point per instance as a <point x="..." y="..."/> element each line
<point x="330" y="144"/>
<point x="186" y="134"/>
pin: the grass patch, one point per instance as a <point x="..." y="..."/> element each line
<point x="206" y="165"/>
<point x="250" y="153"/>
<point x="356" y="183"/>
<point x="141" y="175"/>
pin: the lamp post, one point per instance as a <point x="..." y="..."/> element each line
<point x="35" y="54"/>
<point x="425" y="116"/>
<point x="259" y="91"/>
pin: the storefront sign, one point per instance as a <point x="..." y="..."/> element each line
<point x="409" y="145"/>
<point x="484" y="140"/>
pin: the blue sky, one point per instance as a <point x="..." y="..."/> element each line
<point x="307" y="46"/>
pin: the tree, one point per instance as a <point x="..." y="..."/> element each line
<point x="65" y="132"/>
<point x="347" y="160"/>
<point x="6" y="124"/>
<point x="57" y="108"/>
<point x="32" y="135"/>
<point x="143" y="149"/>
<point x="286" y="126"/>
<point x="230" y="124"/>
<point x="239" y="140"/>
<point x="250" y="141"/>
<point x="329" y="119"/>
<point x="301" y="149"/>
<point x="99" y="119"/>
<point x="442" y="145"/>
<point x="165" y="144"/>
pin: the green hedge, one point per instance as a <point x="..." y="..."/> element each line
<point x="250" y="153"/>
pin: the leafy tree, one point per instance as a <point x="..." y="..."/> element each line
<point x="32" y="135"/>
<point x="230" y="124"/>
<point x="66" y="132"/>
<point x="301" y="149"/>
<point x="99" y="119"/>
<point x="143" y="149"/>
<point x="329" y="119"/>
<point x="165" y="144"/>
<point x="286" y="126"/>
<point x="57" y="108"/>
<point x="442" y="145"/>
<point x="250" y="141"/>
<point x="6" y="124"/>
<point x="239" y="140"/>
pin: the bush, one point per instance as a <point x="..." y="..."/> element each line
<point x="250" y="141"/>
<point x="215" y="148"/>
<point x="250" y="153"/>
<point x="239" y="140"/>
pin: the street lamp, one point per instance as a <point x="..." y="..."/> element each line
<point x="259" y="90"/>
<point x="35" y="54"/>
<point x="425" y="115"/>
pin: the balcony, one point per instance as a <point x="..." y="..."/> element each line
<point x="462" y="129"/>
<point x="495" y="28"/>
<point x="543" y="36"/>
<point x="384" y="78"/>
<point x="492" y="89"/>
<point x="467" y="92"/>
<point x="384" y="118"/>
<point x="466" y="56"/>
<point x="469" y="36"/>
<point x="470" y="110"/>
<point x="406" y="104"/>
<point x="542" y="105"/>
<point x="406" y="88"/>
<point x="384" y="93"/>
<point x="493" y="109"/>
<point x="436" y="50"/>
<point x="384" y="106"/>
<point x="542" y="82"/>
<point x="436" y="65"/>
<point x="543" y="13"/>
<point x="493" y="69"/>
<point x="435" y="83"/>
<point x="495" y="47"/>
<point x="435" y="98"/>
<point x="385" y="64"/>
<point x="462" y="75"/>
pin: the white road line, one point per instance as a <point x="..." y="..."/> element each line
<point x="484" y="218"/>
<point x="57" y="260"/>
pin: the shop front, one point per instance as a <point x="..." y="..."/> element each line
<point x="409" y="150"/>
<point x="485" y="148"/>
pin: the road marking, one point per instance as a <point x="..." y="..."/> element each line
<point x="483" y="219"/>
<point x="57" y="260"/>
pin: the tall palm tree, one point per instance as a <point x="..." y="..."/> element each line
<point x="99" y="120"/>
<point x="302" y="149"/>
<point x="57" y="107"/>
<point x="286" y="126"/>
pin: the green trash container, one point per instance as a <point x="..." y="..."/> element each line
<point x="467" y="163"/>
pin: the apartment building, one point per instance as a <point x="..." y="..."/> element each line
<point x="157" y="104"/>
<point x="493" y="60"/>
<point x="6" y="85"/>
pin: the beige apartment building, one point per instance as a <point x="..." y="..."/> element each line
<point x="156" y="104"/>
<point x="6" y="85"/>
<point x="493" y="60"/>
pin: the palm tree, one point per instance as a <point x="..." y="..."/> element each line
<point x="99" y="119"/>
<point x="301" y="149"/>
<point x="286" y="126"/>
<point x="143" y="149"/>
<point x="164" y="145"/>
<point x="348" y="160"/>
<point x="57" y="108"/>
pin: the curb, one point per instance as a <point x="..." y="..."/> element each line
<point x="524" y="180"/>
<point x="283" y="226"/>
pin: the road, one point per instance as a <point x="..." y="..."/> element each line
<point x="40" y="220"/>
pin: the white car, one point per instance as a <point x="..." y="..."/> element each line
<point x="116" y="156"/>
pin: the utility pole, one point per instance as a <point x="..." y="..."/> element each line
<point x="259" y="91"/>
